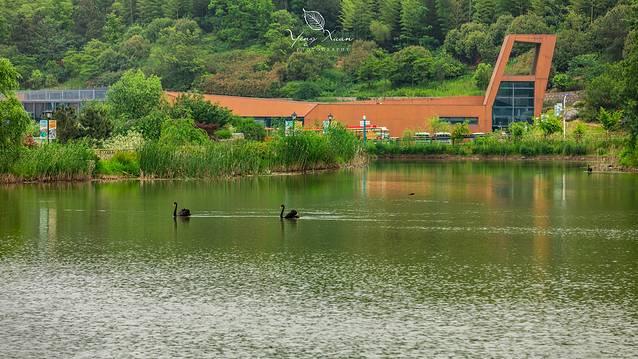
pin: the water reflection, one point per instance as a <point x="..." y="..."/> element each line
<point x="486" y="259"/>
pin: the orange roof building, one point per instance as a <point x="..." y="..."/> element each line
<point x="508" y="98"/>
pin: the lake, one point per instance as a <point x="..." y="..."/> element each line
<point x="490" y="259"/>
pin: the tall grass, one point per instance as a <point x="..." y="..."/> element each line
<point x="301" y="151"/>
<point x="492" y="146"/>
<point x="54" y="162"/>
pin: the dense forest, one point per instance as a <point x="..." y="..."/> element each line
<point x="246" y="47"/>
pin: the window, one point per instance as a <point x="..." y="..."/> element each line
<point x="459" y="120"/>
<point x="514" y="102"/>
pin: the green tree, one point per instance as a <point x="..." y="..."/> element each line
<point x="182" y="132"/>
<point x="14" y="121"/>
<point x="485" y="11"/>
<point x="306" y="65"/>
<point x="460" y="131"/>
<point x="528" y="24"/>
<point x="606" y="91"/>
<point x="133" y="97"/>
<point x="610" y="31"/>
<point x="471" y="43"/>
<point x="413" y="65"/>
<point x="149" y="9"/>
<point x="482" y="75"/>
<point x="194" y="106"/>
<point x="610" y="119"/>
<point x="413" y="22"/>
<point x="68" y="126"/>
<point x="94" y="122"/>
<point x="240" y="21"/>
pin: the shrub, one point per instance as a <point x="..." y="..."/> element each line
<point x="131" y="141"/>
<point x="548" y="124"/>
<point x="563" y="82"/>
<point x="223" y="134"/>
<point x="517" y="130"/>
<point x="579" y="132"/>
<point x="196" y="107"/>
<point x="182" y="132"/>
<point x="460" y="131"/>
<point x="150" y="126"/>
<point x="609" y="119"/>
<point x="251" y="129"/>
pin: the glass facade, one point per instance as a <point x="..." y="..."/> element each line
<point x="514" y="103"/>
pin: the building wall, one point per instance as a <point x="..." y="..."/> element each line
<point x="396" y="117"/>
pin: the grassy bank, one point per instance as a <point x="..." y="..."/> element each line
<point x="301" y="152"/>
<point x="304" y="151"/>
<point x="52" y="162"/>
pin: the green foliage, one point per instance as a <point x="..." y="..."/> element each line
<point x="548" y="124"/>
<point x="460" y="131"/>
<point x="150" y="126"/>
<point x="518" y="130"/>
<point x="438" y="125"/>
<point x="223" y="134"/>
<point x="14" y="123"/>
<point x="194" y="106"/>
<point x="68" y="125"/>
<point x="94" y="122"/>
<point x="604" y="91"/>
<point x="72" y="161"/>
<point x="610" y="119"/>
<point x="240" y="21"/>
<point x="413" y="65"/>
<point x="579" y="132"/>
<point x="563" y="82"/>
<point x="182" y="132"/>
<point x="306" y="65"/>
<point x="482" y="75"/>
<point x="8" y="77"/>
<point x="133" y="97"/>
<point x="130" y="141"/>
<point x="301" y="152"/>
<point x="301" y="90"/>
<point x="252" y="130"/>
<point x="121" y="164"/>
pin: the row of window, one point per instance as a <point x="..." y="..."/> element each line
<point x="459" y="120"/>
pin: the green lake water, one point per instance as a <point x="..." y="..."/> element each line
<point x="484" y="260"/>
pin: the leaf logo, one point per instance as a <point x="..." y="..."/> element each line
<point x="314" y="19"/>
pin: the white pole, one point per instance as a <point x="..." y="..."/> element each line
<point x="564" y="121"/>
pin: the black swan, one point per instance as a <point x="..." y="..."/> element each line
<point x="589" y="169"/>
<point x="184" y="212"/>
<point x="291" y="215"/>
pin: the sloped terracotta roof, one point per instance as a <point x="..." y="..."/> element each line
<point x="257" y="107"/>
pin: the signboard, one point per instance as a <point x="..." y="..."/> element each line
<point x="326" y="126"/>
<point x="288" y="126"/>
<point x="558" y="109"/>
<point x="44" y="129"/>
<point x="365" y="123"/>
<point x="53" y="126"/>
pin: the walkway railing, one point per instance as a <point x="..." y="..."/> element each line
<point x="98" y="94"/>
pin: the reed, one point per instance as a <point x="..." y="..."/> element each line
<point x="302" y="151"/>
<point x="55" y="162"/>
